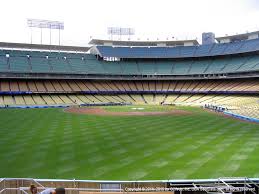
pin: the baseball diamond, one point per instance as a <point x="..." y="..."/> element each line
<point x="129" y="113"/>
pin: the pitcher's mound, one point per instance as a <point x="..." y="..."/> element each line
<point x="101" y="111"/>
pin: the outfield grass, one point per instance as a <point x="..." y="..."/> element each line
<point x="48" y="143"/>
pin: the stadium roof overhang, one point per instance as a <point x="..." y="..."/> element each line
<point x="144" y="43"/>
<point x="25" y="46"/>
<point x="239" y="37"/>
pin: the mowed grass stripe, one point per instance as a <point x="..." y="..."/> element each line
<point x="48" y="143"/>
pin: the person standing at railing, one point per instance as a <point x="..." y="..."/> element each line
<point x="34" y="190"/>
<point x="53" y="191"/>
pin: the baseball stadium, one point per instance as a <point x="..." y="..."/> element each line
<point x="123" y="116"/>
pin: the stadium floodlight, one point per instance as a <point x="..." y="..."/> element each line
<point x="120" y="31"/>
<point x="36" y="23"/>
<point x="52" y="25"/>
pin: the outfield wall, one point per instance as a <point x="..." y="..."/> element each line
<point x="63" y="106"/>
<point x="133" y="92"/>
<point x="241" y="117"/>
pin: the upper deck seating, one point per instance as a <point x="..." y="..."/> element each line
<point x="74" y="63"/>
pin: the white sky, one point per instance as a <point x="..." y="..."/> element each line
<point x="182" y="19"/>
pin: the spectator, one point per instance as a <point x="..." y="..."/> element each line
<point x="54" y="191"/>
<point x="33" y="189"/>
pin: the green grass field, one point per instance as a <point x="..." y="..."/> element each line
<point x="49" y="143"/>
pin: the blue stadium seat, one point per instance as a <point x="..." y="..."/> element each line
<point x="203" y="50"/>
<point x="187" y="51"/>
<point x="234" y="64"/>
<point x="233" y="47"/>
<point x="3" y="63"/>
<point x="199" y="67"/>
<point x="250" y="45"/>
<point x="80" y="63"/>
<point x="181" y="67"/>
<point x="130" y="68"/>
<point x="19" y="64"/>
<point x="40" y="65"/>
<point x="147" y="68"/>
<point x="164" y="68"/>
<point x="218" y="49"/>
<point x="216" y="66"/>
<point x="250" y="64"/>
<point x="112" y="68"/>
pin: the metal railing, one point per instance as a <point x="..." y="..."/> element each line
<point x="220" y="185"/>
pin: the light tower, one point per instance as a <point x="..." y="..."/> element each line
<point x="51" y="25"/>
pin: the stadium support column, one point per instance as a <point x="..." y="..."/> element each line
<point x="40" y="35"/>
<point x="59" y="36"/>
<point x="31" y="35"/>
<point x="50" y="36"/>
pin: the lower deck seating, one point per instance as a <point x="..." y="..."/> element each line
<point x="138" y="99"/>
<point x="243" y="105"/>
<point x="248" y="85"/>
<point x="149" y="98"/>
<point x="239" y="104"/>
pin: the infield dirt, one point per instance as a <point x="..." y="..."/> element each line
<point x="101" y="111"/>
